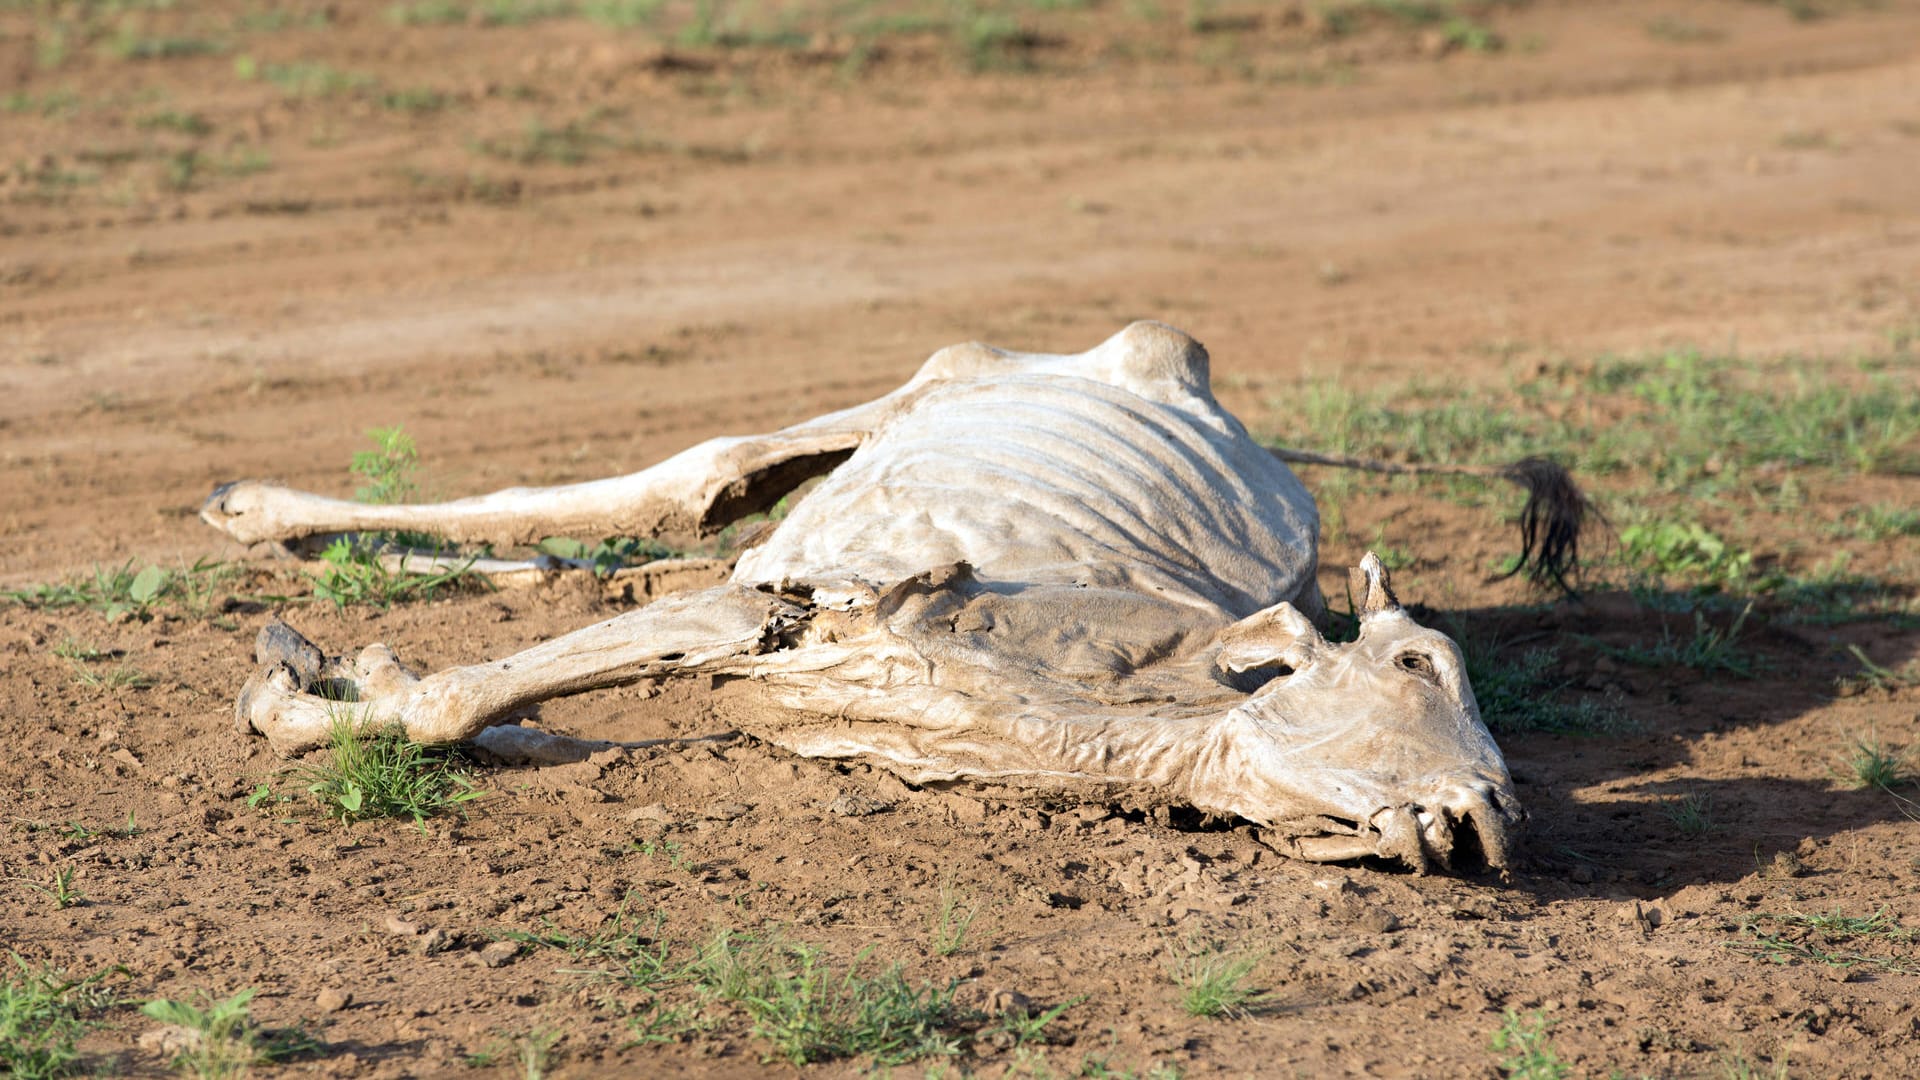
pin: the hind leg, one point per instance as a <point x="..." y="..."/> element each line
<point x="298" y="695"/>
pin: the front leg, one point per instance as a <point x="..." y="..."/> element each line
<point x="297" y="697"/>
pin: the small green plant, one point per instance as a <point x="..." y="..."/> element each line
<point x="1528" y="1054"/>
<point x="58" y="889"/>
<point x="1869" y="763"/>
<point x="382" y="774"/>
<point x="1522" y="689"/>
<point x="1690" y="814"/>
<point x="610" y="554"/>
<point x="1686" y="551"/>
<point x="122" y="592"/>
<point x="1872" y="676"/>
<point x="810" y="1011"/>
<point x="1213" y="982"/>
<point x="1709" y="649"/>
<point x="388" y="469"/>
<point x="220" y="1037"/>
<point x="353" y="572"/>
<point x="952" y="918"/>
<point x="1024" y="1027"/>
<point x="1735" y="1065"/>
<point x="43" y="1014"/>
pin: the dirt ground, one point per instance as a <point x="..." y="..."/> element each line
<point x="556" y="251"/>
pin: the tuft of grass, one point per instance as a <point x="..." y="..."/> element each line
<point x="1520" y="689"/>
<point x="220" y="1038"/>
<point x="1527" y="1052"/>
<point x="43" y="1014"/>
<point x="1691" y="814"/>
<point x="952" y="918"/>
<point x="1872" y="676"/>
<point x="1709" y="649"/>
<point x="1023" y="1027"/>
<point x="389" y="469"/>
<point x="354" y="573"/>
<point x="121" y="592"/>
<point x="383" y="775"/>
<point x="58" y="889"/>
<point x="1879" y="521"/>
<point x="1687" y="551"/>
<point x="1869" y="763"/>
<point x="646" y="959"/>
<point x="1213" y="982"/>
<point x="809" y="1010"/>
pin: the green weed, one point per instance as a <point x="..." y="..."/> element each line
<point x="389" y="469"/>
<point x="1023" y="1027"/>
<point x="382" y="775"/>
<point x="221" y="1038"/>
<point x="1528" y="1054"/>
<point x="185" y="123"/>
<point x="1691" y="814"/>
<point x="952" y="918"/>
<point x="1521" y="689"/>
<point x="645" y="957"/>
<point x="1880" y="521"/>
<point x="809" y="1010"/>
<point x="43" y="1014"/>
<point x="1709" y="649"/>
<point x="1213" y="982"/>
<point x="119" y="591"/>
<point x="353" y="572"/>
<point x="1869" y="763"/>
<point x="1872" y="676"/>
<point x="622" y="14"/>
<point x="1795" y="937"/>
<point x="1687" y="551"/>
<point x="130" y="44"/>
<point x="610" y="554"/>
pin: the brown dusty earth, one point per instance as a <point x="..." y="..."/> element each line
<point x="556" y="251"/>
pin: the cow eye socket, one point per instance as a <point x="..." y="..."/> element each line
<point x="1419" y="663"/>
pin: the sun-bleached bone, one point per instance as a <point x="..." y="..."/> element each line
<point x="1074" y="575"/>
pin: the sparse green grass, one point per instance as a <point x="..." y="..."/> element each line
<point x="1873" y="676"/>
<point x="809" y="1010"/>
<point x="1876" y="941"/>
<point x="111" y="679"/>
<point x="952" y="918"/>
<point x="1527" y="1052"/>
<point x="184" y="123"/>
<point x="382" y="775"/>
<point x="1868" y="763"/>
<point x="1691" y="814"/>
<point x="121" y="591"/>
<point x="353" y="573"/>
<point x="130" y="44"/>
<point x="1879" y="521"/>
<point x="1214" y="982"/>
<point x="43" y="1014"/>
<point x="221" y="1037"/>
<point x="1520" y="688"/>
<point x="303" y="80"/>
<point x="1685" y="551"/>
<point x="58" y="889"/>
<point x="1709" y="649"/>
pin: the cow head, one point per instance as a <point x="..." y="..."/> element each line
<point x="1373" y="747"/>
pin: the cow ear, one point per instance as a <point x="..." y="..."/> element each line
<point x="1278" y="636"/>
<point x="1372" y="590"/>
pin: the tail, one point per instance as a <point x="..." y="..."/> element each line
<point x="1550" y="523"/>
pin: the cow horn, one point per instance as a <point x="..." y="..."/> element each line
<point x="1372" y="591"/>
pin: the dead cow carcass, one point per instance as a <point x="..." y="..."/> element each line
<point x="1066" y="574"/>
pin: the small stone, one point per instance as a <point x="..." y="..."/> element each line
<point x="857" y="806"/>
<point x="1376" y="920"/>
<point x="729" y="811"/>
<point x="1581" y="875"/>
<point x="1009" y="1001"/>
<point x="399" y="927"/>
<point x="499" y="953"/>
<point x="652" y="812"/>
<point x="331" y="1000"/>
<point x="436" y="942"/>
